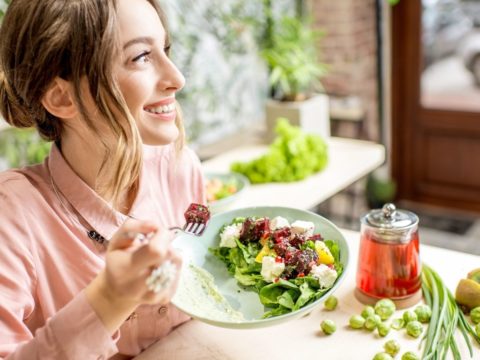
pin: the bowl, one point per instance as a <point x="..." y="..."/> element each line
<point x="240" y="182"/>
<point x="224" y="302"/>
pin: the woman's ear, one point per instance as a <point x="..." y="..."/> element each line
<point x="58" y="100"/>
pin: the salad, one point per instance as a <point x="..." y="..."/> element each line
<point x="289" y="265"/>
<point x="217" y="188"/>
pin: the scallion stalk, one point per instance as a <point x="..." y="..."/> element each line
<point x="446" y="318"/>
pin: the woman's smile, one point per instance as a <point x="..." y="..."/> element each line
<point x="164" y="109"/>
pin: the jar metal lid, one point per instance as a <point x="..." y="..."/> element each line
<point x="391" y="218"/>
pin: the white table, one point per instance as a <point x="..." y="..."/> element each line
<point x="301" y="339"/>
<point x="349" y="160"/>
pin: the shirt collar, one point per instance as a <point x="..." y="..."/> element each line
<point x="88" y="204"/>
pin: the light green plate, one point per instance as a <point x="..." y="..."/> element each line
<point x="224" y="204"/>
<point x="233" y="306"/>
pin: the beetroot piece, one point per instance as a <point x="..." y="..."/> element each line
<point x="297" y="240"/>
<point x="300" y="261"/>
<point x="253" y="230"/>
<point x="315" y="237"/>
<point x="280" y="234"/>
<point x="281" y="246"/>
<point x="197" y="213"/>
<point x="306" y="259"/>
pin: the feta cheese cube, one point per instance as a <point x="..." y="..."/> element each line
<point x="271" y="269"/>
<point x="303" y="227"/>
<point x="325" y="275"/>
<point x="278" y="222"/>
<point x="229" y="235"/>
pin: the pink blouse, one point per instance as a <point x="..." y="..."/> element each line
<point x="47" y="259"/>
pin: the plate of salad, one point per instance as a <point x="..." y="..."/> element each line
<point x="223" y="189"/>
<point x="260" y="266"/>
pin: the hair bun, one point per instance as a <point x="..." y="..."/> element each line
<point x="11" y="107"/>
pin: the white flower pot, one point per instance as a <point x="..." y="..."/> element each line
<point x="311" y="115"/>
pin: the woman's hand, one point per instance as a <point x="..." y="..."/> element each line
<point x="121" y="285"/>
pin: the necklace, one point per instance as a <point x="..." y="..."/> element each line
<point x="91" y="233"/>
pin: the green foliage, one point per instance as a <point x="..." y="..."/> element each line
<point x="292" y="156"/>
<point x="3" y="7"/>
<point x="292" y="57"/>
<point x="380" y="191"/>
<point x="21" y="147"/>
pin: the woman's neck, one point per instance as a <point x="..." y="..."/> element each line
<point x="85" y="156"/>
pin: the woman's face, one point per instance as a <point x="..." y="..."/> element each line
<point x="147" y="78"/>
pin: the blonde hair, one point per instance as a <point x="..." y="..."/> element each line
<point x="71" y="39"/>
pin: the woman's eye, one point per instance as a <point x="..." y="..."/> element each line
<point x="143" y="57"/>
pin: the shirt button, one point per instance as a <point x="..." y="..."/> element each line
<point x="162" y="310"/>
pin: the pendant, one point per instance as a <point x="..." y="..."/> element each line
<point x="92" y="234"/>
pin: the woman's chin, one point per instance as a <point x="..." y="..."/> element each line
<point x="160" y="137"/>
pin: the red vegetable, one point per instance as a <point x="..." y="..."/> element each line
<point x="197" y="213"/>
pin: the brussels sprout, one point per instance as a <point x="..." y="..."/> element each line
<point x="392" y="347"/>
<point x="331" y="303"/>
<point x="409" y="355"/>
<point x="424" y="313"/>
<point x="368" y="311"/>
<point x="328" y="327"/>
<point x="357" y="322"/>
<point x="409" y="316"/>
<point x="477" y="330"/>
<point x="382" y="356"/>
<point x="372" y="322"/>
<point x="385" y="308"/>
<point x="414" y="328"/>
<point x="398" y="323"/>
<point x="475" y="315"/>
<point x="383" y="329"/>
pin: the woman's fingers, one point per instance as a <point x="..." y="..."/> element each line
<point x="131" y="263"/>
<point x="152" y="253"/>
<point x="129" y="232"/>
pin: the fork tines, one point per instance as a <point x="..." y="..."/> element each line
<point x="195" y="228"/>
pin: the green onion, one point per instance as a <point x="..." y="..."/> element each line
<point x="446" y="318"/>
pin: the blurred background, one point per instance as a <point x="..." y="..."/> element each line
<point x="403" y="73"/>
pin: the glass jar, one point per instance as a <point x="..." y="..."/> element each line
<point x="388" y="259"/>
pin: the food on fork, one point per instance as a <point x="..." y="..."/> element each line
<point x="197" y="213"/>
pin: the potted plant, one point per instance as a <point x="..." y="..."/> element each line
<point x="20" y="147"/>
<point x="294" y="74"/>
<point x="380" y="188"/>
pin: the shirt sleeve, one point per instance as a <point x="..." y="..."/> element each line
<point x="74" y="332"/>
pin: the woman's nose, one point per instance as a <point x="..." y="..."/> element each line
<point x="170" y="78"/>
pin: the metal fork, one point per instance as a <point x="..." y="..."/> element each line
<point x="191" y="228"/>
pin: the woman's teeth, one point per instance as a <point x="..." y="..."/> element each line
<point x="161" y="109"/>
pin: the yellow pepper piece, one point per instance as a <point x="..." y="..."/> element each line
<point x="264" y="239"/>
<point x="266" y="251"/>
<point x="324" y="254"/>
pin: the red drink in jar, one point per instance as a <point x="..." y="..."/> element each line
<point x="388" y="259"/>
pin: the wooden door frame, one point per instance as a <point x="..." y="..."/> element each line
<point x="410" y="121"/>
<point x="405" y="28"/>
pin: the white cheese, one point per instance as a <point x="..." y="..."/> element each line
<point x="326" y="276"/>
<point x="278" y="222"/>
<point x="271" y="269"/>
<point x="229" y="235"/>
<point x="303" y="227"/>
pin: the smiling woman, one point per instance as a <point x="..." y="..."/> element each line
<point x="83" y="232"/>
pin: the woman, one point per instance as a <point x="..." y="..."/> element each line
<point x="93" y="76"/>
